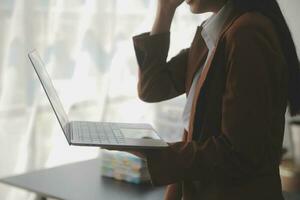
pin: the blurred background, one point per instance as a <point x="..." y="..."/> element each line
<point x="88" y="51"/>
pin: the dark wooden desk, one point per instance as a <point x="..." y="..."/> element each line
<point x="81" y="181"/>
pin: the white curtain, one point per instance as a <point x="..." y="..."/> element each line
<point x="87" y="49"/>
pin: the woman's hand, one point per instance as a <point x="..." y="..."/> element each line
<point x="164" y="15"/>
<point x="169" y="4"/>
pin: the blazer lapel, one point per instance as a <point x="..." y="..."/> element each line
<point x="197" y="92"/>
<point x="235" y="14"/>
<point x="197" y="57"/>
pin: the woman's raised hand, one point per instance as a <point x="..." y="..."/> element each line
<point x="170" y="4"/>
<point x="164" y="15"/>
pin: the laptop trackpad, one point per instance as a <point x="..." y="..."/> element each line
<point x="139" y="133"/>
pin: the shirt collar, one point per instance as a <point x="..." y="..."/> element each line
<point x="213" y="26"/>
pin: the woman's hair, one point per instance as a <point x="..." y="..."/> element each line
<point x="271" y="9"/>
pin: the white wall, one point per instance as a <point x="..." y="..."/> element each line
<point x="291" y="10"/>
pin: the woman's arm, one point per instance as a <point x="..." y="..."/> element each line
<point x="158" y="79"/>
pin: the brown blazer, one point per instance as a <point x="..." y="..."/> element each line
<point x="232" y="150"/>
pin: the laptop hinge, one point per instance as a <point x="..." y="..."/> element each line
<point x="69" y="127"/>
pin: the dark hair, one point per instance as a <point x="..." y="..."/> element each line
<point x="271" y="9"/>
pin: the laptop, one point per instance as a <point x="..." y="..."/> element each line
<point x="103" y="134"/>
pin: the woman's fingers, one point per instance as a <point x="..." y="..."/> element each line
<point x="170" y="3"/>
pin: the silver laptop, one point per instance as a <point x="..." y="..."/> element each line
<point x="102" y="134"/>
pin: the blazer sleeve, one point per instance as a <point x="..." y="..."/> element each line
<point x="158" y="79"/>
<point x="240" y="150"/>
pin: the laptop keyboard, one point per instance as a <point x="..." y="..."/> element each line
<point x="101" y="133"/>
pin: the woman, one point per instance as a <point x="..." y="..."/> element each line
<point x="239" y="74"/>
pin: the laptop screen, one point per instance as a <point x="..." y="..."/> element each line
<point x="50" y="91"/>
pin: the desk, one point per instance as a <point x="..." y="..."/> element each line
<point x="81" y="181"/>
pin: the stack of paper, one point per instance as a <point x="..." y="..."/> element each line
<point x="124" y="166"/>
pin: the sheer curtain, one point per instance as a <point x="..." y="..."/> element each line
<point x="87" y="48"/>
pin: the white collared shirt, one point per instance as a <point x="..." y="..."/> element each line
<point x="210" y="33"/>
